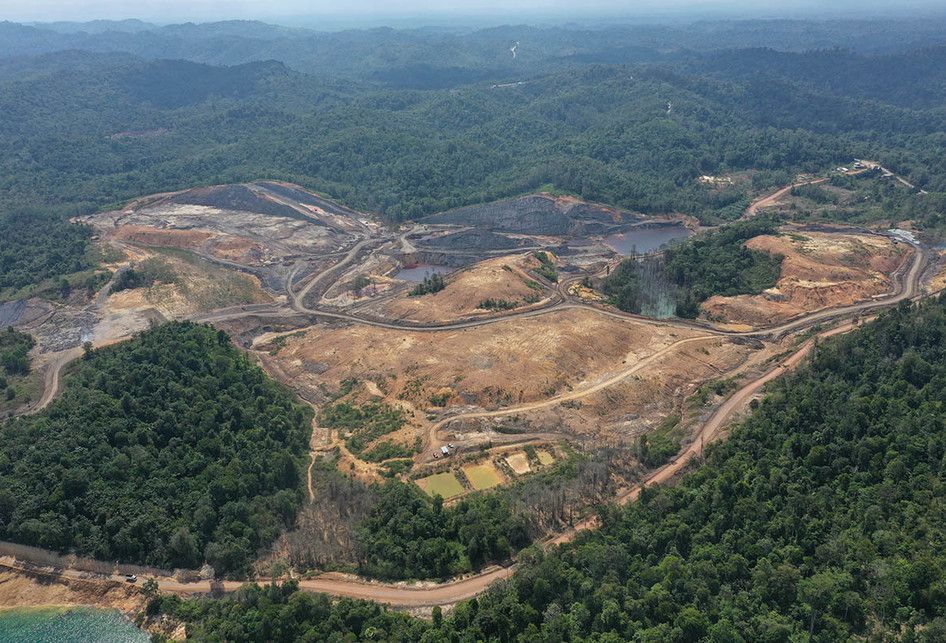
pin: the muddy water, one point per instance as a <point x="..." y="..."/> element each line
<point x="58" y="625"/>
<point x="644" y="240"/>
<point x="417" y="273"/>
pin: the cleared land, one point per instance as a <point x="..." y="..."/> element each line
<point x="820" y="270"/>
<point x="519" y="463"/>
<point x="483" y="476"/>
<point x="508" y="362"/>
<point x="506" y="281"/>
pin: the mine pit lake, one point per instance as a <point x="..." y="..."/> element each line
<point x="417" y="273"/>
<point x="644" y="239"/>
<point x="73" y="624"/>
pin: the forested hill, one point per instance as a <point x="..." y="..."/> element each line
<point x="170" y="450"/>
<point x="911" y="79"/>
<point x="84" y="130"/>
<point x="821" y="518"/>
<point x="387" y="55"/>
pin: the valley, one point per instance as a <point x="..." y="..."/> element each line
<point x="512" y="364"/>
<point x="625" y="328"/>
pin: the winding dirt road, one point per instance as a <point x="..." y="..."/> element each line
<point x="52" y="380"/>
<point x="434" y="443"/>
<point x="769" y="200"/>
<point x="906" y="289"/>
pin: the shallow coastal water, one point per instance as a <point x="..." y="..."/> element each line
<point x="417" y="273"/>
<point x="643" y="240"/>
<point x="67" y="625"/>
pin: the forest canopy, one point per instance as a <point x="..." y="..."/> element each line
<point x="40" y="246"/>
<point x="14" y="352"/>
<point x="169" y="450"/>
<point x="409" y="535"/>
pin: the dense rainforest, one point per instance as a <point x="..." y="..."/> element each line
<point x="39" y="246"/>
<point x="692" y="271"/>
<point x="408" y="535"/>
<point x="14" y="353"/>
<point x="821" y="518"/>
<point x="170" y="450"/>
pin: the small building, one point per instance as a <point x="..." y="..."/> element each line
<point x="445" y="450"/>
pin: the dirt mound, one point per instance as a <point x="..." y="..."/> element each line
<point x="197" y="286"/>
<point x="505" y="281"/>
<point x="472" y="240"/>
<point x="24" y="589"/>
<point x="820" y="270"/>
<point x="235" y="197"/>
<point x="537" y="214"/>
<point x="496" y="365"/>
<point x="300" y="195"/>
<point x="231" y="248"/>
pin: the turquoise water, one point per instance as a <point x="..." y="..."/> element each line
<point x="67" y="625"/>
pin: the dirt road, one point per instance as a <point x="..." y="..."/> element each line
<point x="298" y="298"/>
<point x="771" y="199"/>
<point x="906" y="289"/>
<point x="434" y="443"/>
<point x="708" y="432"/>
<point x="52" y="380"/>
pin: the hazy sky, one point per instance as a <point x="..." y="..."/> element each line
<point x="288" y="11"/>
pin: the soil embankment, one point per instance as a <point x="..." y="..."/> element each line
<point x="819" y="271"/>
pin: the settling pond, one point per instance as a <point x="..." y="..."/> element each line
<point x="645" y="239"/>
<point x="416" y="274"/>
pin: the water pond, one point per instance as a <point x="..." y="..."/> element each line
<point x="645" y="239"/>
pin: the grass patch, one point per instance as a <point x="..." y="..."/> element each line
<point x="145" y="274"/>
<point x="444" y="484"/>
<point x="482" y="476"/>
<point x="546" y="267"/>
<point x="662" y="443"/>
<point x="280" y="342"/>
<point x="497" y="304"/>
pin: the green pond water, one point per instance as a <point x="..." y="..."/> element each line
<point x="67" y="625"/>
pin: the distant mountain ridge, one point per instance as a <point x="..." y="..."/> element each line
<point x="391" y="57"/>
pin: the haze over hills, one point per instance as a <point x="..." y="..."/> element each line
<point x="485" y="52"/>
